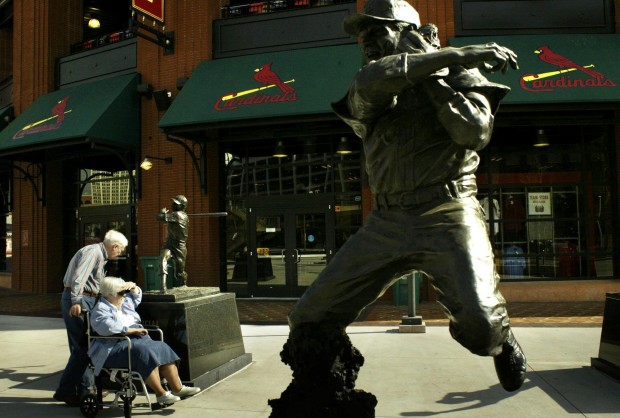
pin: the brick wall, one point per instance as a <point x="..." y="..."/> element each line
<point x="192" y="24"/>
<point x="37" y="45"/>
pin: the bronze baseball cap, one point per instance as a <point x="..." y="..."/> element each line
<point x="383" y="11"/>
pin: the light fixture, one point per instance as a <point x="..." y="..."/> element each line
<point x="94" y="23"/>
<point x="145" y="89"/>
<point x="162" y="99"/>
<point x="343" y="146"/>
<point x="147" y="164"/>
<point x="541" y="139"/>
<point x="280" y="152"/>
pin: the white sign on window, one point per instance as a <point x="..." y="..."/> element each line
<point x="539" y="204"/>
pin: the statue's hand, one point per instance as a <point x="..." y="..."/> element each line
<point x="164" y="210"/>
<point x="482" y="57"/>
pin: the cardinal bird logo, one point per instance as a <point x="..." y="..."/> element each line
<point x="547" y="55"/>
<point x="265" y="75"/>
<point x="266" y="93"/>
<point x="58" y="111"/>
<point x="547" y="82"/>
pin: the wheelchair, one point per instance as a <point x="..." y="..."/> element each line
<point x="127" y="382"/>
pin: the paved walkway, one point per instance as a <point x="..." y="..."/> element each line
<point x="412" y="375"/>
<point x="273" y="312"/>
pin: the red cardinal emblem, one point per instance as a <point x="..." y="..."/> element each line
<point x="264" y="74"/>
<point x="59" y="110"/>
<point x="547" y="55"/>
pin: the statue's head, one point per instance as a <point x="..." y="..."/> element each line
<point x="381" y="25"/>
<point x="179" y="202"/>
<point x="382" y="11"/>
<point x="430" y="33"/>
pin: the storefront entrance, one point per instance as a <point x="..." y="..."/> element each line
<point x="94" y="222"/>
<point x="290" y="243"/>
<point x="287" y="215"/>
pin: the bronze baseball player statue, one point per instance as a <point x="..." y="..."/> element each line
<point x="175" y="247"/>
<point x="422" y="113"/>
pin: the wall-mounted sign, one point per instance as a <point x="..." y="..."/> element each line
<point x="151" y="8"/>
<point x="539" y="204"/>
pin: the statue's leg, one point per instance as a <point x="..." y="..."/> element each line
<point x="468" y="290"/>
<point x="325" y="365"/>
<point x="468" y="284"/>
<point x="163" y="268"/>
<point x="181" y="274"/>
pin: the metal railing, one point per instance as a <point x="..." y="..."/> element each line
<point x="103" y="40"/>
<point x="260" y="7"/>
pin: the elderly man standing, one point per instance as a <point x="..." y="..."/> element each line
<point x="421" y="112"/>
<point x="81" y="283"/>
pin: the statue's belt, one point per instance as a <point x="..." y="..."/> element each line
<point x="409" y="200"/>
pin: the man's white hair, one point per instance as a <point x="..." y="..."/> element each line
<point x="113" y="237"/>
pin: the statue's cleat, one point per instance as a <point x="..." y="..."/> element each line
<point x="511" y="364"/>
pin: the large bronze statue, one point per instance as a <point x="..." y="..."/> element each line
<point x="175" y="247"/>
<point x="422" y="112"/>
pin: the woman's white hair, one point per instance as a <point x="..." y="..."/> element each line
<point x="110" y="286"/>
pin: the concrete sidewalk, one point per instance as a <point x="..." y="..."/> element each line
<point x="411" y="375"/>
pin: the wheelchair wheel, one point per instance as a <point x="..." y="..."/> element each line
<point x="127" y="408"/>
<point x="128" y="387"/>
<point x="89" y="406"/>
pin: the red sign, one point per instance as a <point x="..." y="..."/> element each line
<point x="151" y="8"/>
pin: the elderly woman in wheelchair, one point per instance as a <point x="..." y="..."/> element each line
<point x="115" y="314"/>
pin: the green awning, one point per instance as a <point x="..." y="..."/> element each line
<point x="279" y="84"/>
<point x="558" y="68"/>
<point x="104" y="112"/>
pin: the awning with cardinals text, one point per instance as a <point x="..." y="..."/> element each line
<point x="279" y="84"/>
<point x="104" y="112"/>
<point x="568" y="68"/>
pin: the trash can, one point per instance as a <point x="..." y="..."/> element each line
<point x="150" y="268"/>
<point x="400" y="291"/>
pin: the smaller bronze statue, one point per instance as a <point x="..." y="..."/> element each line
<point x="175" y="247"/>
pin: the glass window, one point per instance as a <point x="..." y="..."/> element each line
<point x="104" y="22"/>
<point x="549" y="209"/>
<point x="102" y="188"/>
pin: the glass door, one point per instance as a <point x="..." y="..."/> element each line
<point x="95" y="222"/>
<point x="288" y="249"/>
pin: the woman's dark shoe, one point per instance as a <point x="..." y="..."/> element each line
<point x="511" y="364"/>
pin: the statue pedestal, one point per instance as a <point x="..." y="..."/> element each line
<point x="608" y="359"/>
<point x="201" y="324"/>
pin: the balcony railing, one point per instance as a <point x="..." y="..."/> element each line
<point x="110" y="38"/>
<point x="271" y="6"/>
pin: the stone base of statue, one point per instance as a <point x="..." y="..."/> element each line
<point x="608" y="359"/>
<point x="201" y="324"/>
<point x="325" y="367"/>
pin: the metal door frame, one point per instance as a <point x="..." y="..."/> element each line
<point x="289" y="206"/>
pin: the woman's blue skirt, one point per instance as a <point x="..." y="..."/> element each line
<point x="146" y="355"/>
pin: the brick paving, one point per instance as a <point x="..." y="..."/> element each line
<point x="273" y="312"/>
